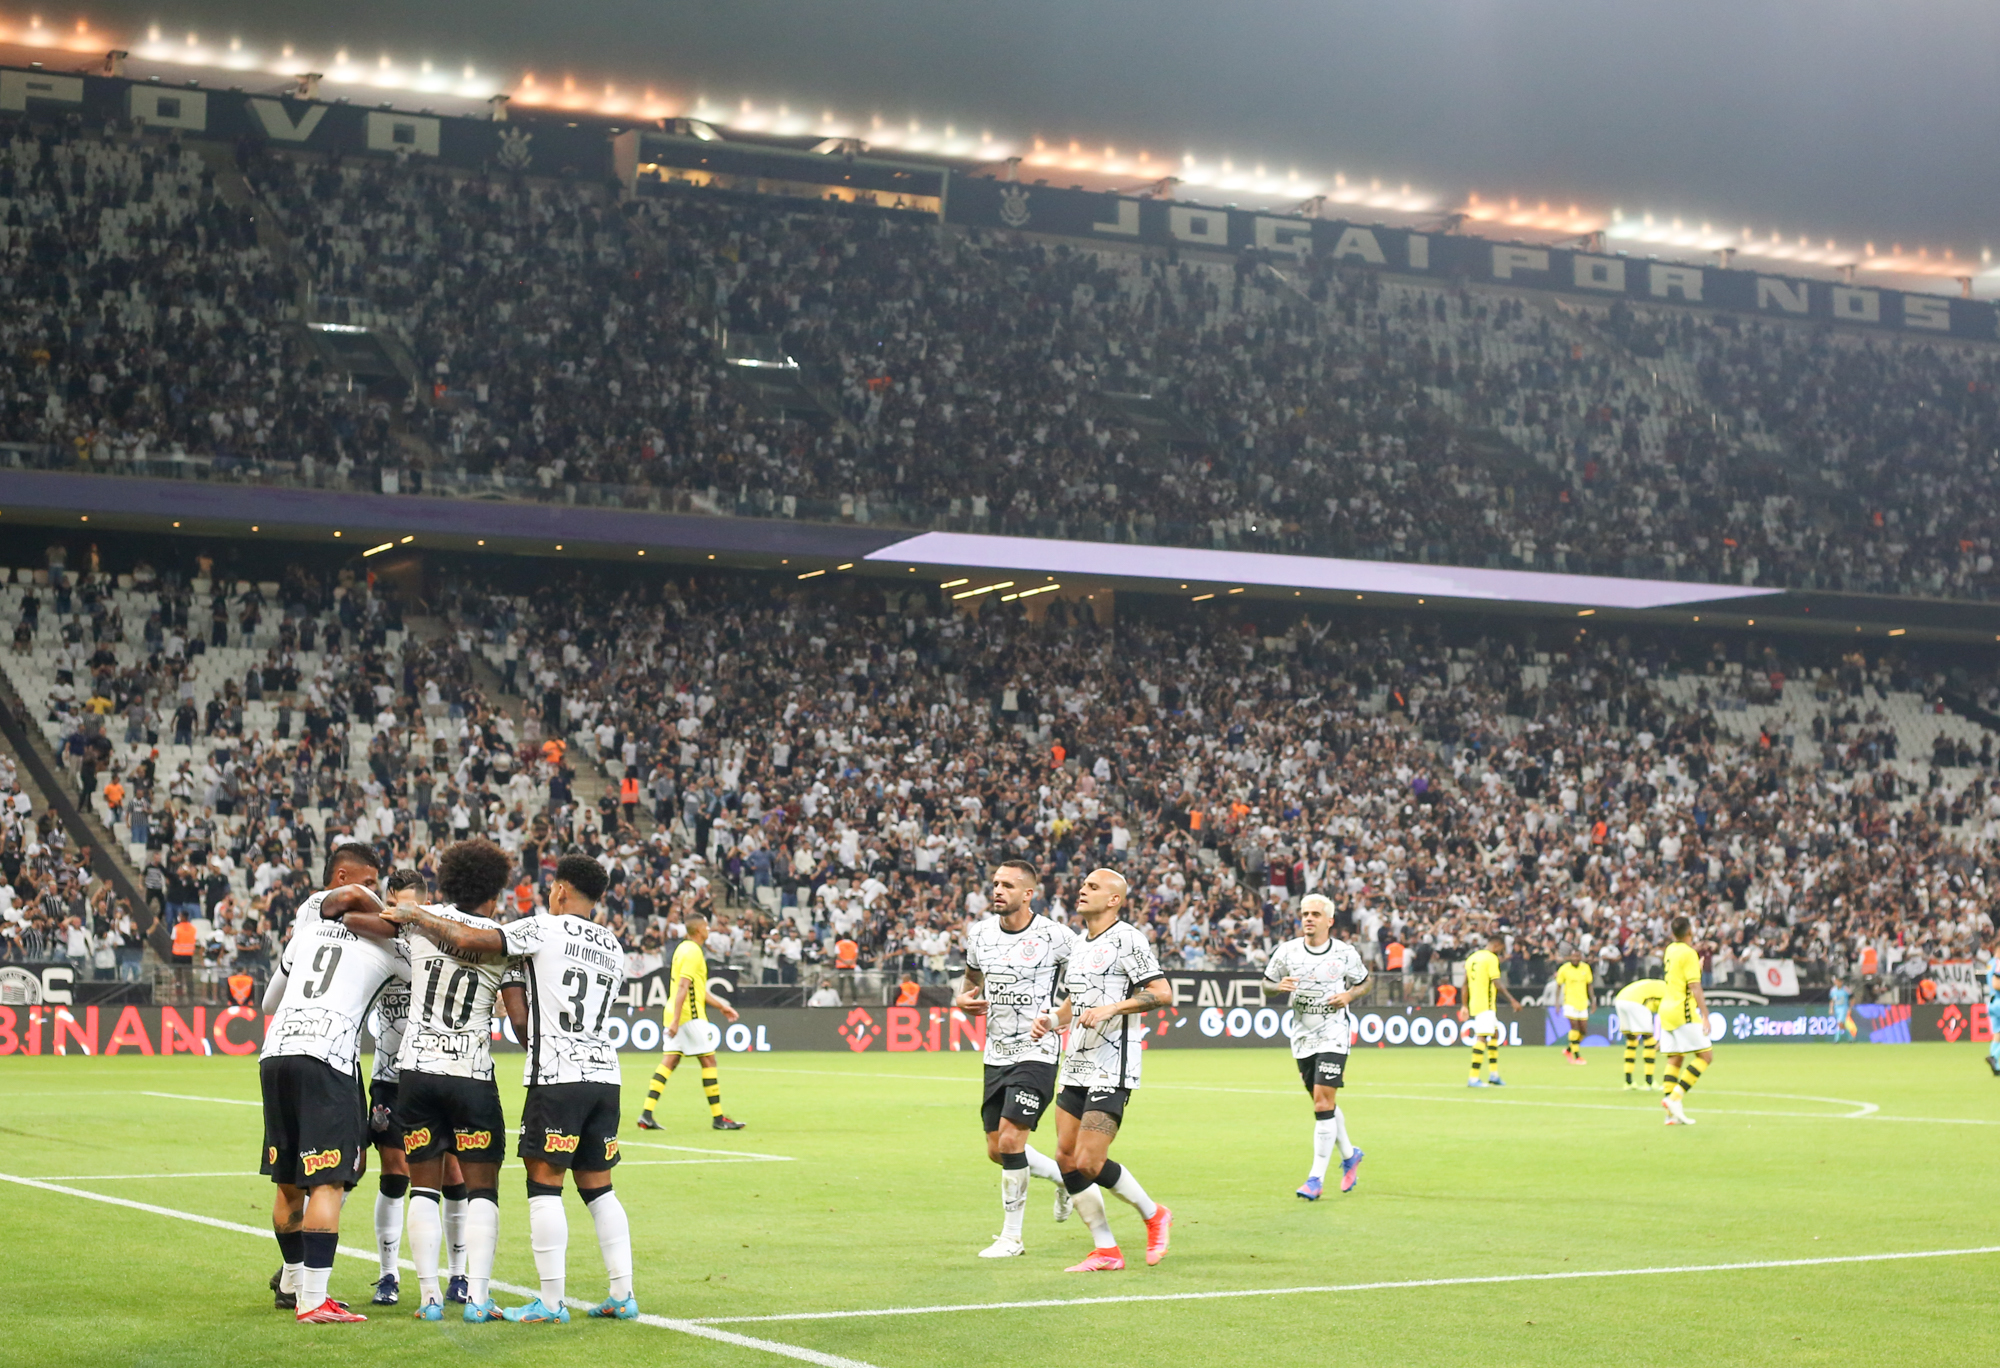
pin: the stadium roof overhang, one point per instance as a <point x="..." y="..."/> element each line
<point x="976" y="563"/>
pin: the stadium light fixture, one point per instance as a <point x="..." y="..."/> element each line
<point x="983" y="589"/>
<point x="1202" y="598"/>
<point x="967" y="579"/>
<point x="407" y="540"/>
<point x="812" y="574"/>
<point x="378" y="550"/>
<point x="1897" y="631"/>
<point x="848" y="566"/>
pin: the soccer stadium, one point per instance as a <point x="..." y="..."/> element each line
<point x="940" y="670"/>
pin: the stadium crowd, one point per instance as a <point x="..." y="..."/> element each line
<point x="572" y="346"/>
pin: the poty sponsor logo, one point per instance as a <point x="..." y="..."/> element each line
<point x="416" y="1139"/>
<point x="271" y="1154"/>
<point x="318" y="1160"/>
<point x="474" y="1140"/>
<point x="610" y="1149"/>
<point x="555" y="1143"/>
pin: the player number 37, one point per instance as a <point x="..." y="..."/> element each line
<point x="578" y="985"/>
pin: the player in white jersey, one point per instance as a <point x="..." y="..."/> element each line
<point x="340" y="955"/>
<point x="447" y="1101"/>
<point x="1113" y="976"/>
<point x="568" y="972"/>
<point x="1014" y="963"/>
<point x="1322" y="974"/>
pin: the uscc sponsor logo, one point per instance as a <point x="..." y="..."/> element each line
<point x="554" y="1143"/>
<point x="318" y="1161"/>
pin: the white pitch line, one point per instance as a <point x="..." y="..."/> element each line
<point x="694" y="1149"/>
<point x="188" y="1097"/>
<point x="1353" y="1287"/>
<point x="113" y="1177"/>
<point x="700" y="1329"/>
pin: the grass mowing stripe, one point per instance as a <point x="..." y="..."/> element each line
<point x="699" y="1329"/>
<point x="1353" y="1287"/>
<point x="696" y="1149"/>
<point x="189" y="1097"/>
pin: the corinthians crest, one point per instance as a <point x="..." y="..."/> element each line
<point x="1013" y="206"/>
<point x="514" y="153"/>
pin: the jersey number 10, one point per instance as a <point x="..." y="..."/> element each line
<point x="457" y="1010"/>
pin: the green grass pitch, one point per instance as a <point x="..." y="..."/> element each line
<point x="883" y="1196"/>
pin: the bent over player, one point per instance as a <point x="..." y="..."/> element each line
<point x="1638" y="1006"/>
<point x="1014" y="962"/>
<point x="315" y="1138"/>
<point x="1113" y="974"/>
<point x="1322" y="974"/>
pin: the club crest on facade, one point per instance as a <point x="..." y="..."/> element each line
<point x="1014" y="206"/>
<point x="514" y="153"/>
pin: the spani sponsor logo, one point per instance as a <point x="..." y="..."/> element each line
<point x="560" y="1144"/>
<point x="474" y="1140"/>
<point x="318" y="1160"/>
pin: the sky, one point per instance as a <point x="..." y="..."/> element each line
<point x="1842" y="118"/>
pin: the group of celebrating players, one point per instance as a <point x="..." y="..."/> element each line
<point x="434" y="1099"/>
<point x="1060" y="1007"/>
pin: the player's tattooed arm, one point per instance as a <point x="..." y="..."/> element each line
<point x="449" y="935"/>
<point x="969" y="999"/>
<point x="1158" y="993"/>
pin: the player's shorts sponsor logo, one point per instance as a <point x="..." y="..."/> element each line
<point x="270" y="1154"/>
<point x="417" y="1139"/>
<point x="1026" y="1101"/>
<point x="555" y="1143"/>
<point x="474" y="1140"/>
<point x="610" y="1149"/>
<point x="319" y="1160"/>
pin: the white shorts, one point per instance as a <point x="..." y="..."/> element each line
<point x="1689" y="1039"/>
<point x="1485" y="1024"/>
<point x="695" y="1037"/>
<point x="1633" y="1018"/>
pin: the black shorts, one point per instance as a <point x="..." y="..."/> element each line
<point x="1323" y="1070"/>
<point x="440" y="1114"/>
<point x="1110" y="1101"/>
<point x="1019" y="1092"/>
<point x="314" y="1130"/>
<point x="383" y="1132"/>
<point x="571" y="1125"/>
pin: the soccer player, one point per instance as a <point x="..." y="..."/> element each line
<point x="1322" y="974"/>
<point x="1014" y="963"/>
<point x="1839" y="1001"/>
<point x="1637" y="1006"/>
<point x="315" y="1139"/>
<point x="1574" y="979"/>
<point x="1113" y="974"/>
<point x="568" y="971"/>
<point x="689" y="1031"/>
<point x="1482" y="993"/>
<point x="1683" y="1022"/>
<point x="447" y="1100"/>
<point x="1992" y="1008"/>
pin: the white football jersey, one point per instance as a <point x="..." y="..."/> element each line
<point x="1108" y="967"/>
<point x="573" y="970"/>
<point x="332" y="977"/>
<point x="392" y="1011"/>
<point x="1024" y="974"/>
<point x="1333" y="968"/>
<point x="450" y="1028"/>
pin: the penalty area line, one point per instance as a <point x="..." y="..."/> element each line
<point x="700" y="1330"/>
<point x="1355" y="1287"/>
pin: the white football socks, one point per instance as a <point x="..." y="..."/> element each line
<point x="1041" y="1166"/>
<point x="1013" y="1201"/>
<point x="1340" y="1134"/>
<point x="454" y="1233"/>
<point x="482" y="1237"/>
<point x="388" y="1231"/>
<point x="312" y="1286"/>
<point x="548" y="1236"/>
<point x="1090" y="1206"/>
<point x="1325" y="1135"/>
<point x="1128" y="1188"/>
<point x="614" y="1241"/>
<point x="426" y="1234"/>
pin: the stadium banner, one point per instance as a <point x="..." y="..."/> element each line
<point x="1448" y="257"/>
<point x="542" y="147"/>
<point x="87" y="1032"/>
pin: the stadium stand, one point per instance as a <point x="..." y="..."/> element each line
<point x="571" y="344"/>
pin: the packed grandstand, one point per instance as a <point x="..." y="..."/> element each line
<point x="837" y="765"/>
